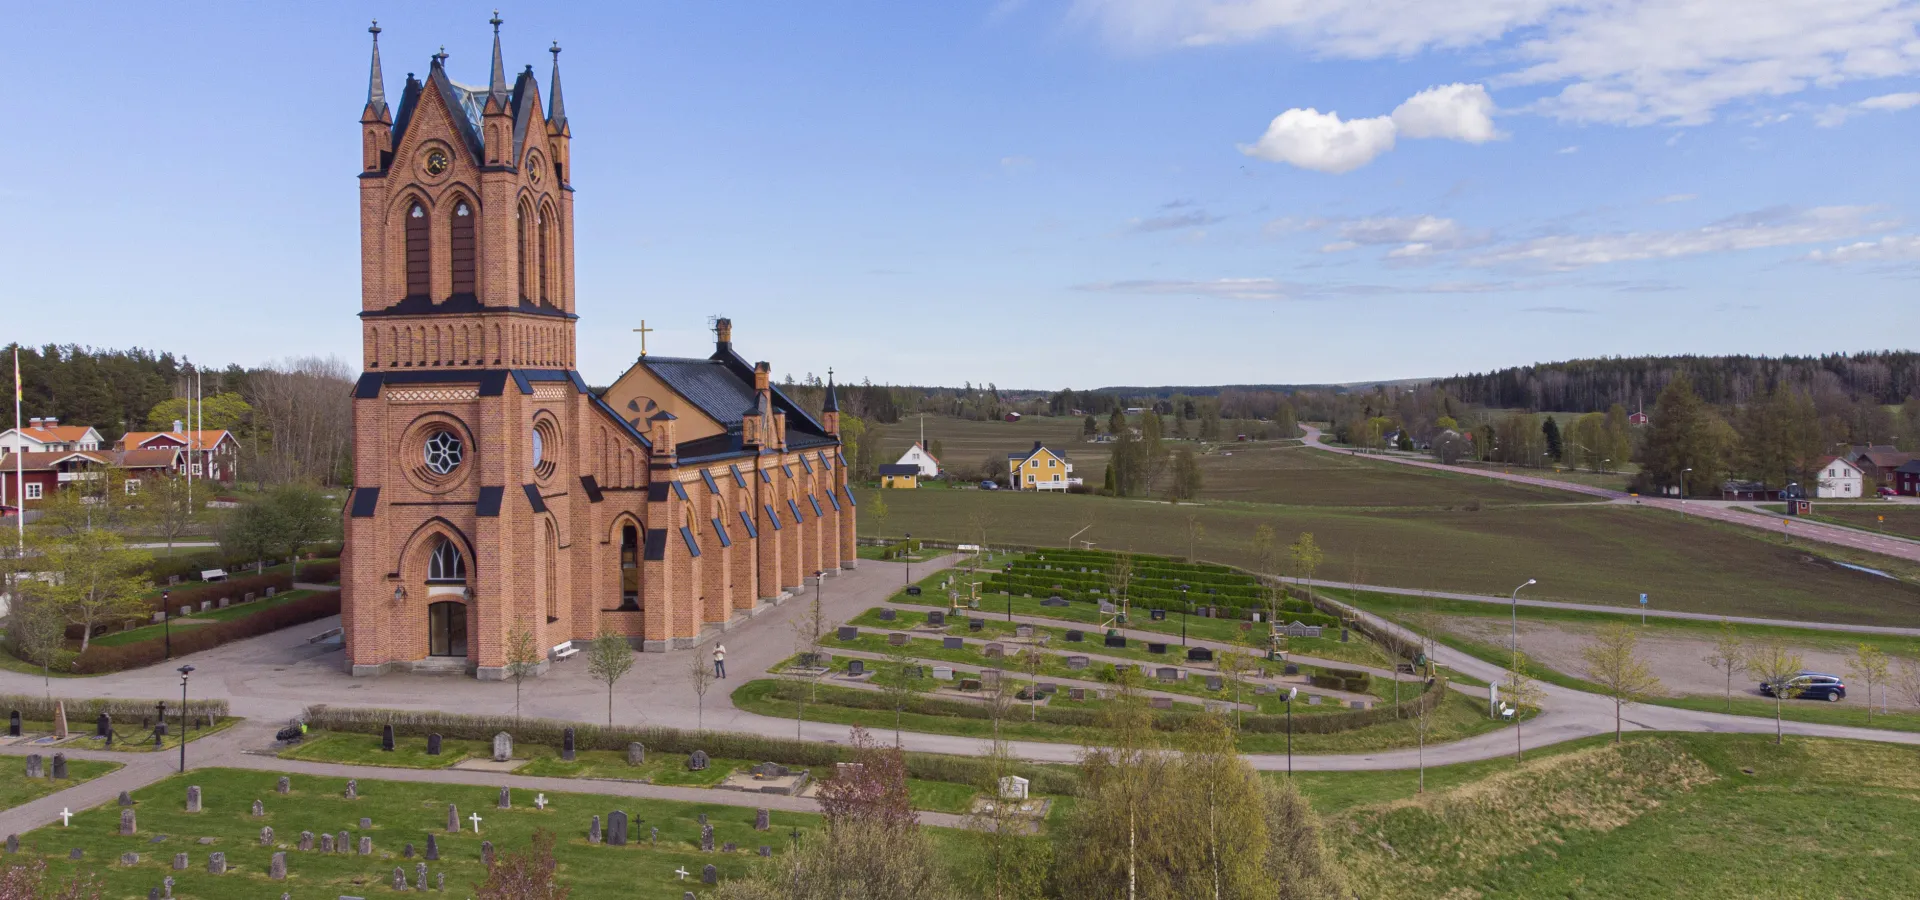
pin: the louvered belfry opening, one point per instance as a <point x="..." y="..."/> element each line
<point x="419" y="276"/>
<point x="463" y="247"/>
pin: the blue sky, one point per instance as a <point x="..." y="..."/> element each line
<point x="1034" y="194"/>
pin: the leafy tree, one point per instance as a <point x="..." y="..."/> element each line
<point x="1107" y="486"/>
<point x="37" y="631"/>
<point x="871" y="788"/>
<point x="856" y="860"/>
<point x="1405" y="442"/>
<point x="1550" y="430"/>
<point x="1729" y="655"/>
<point x="1090" y="427"/>
<point x="1117" y="422"/>
<point x="1307" y="556"/>
<point x="1185" y="481"/>
<point x="224" y="411"/>
<point x="877" y="511"/>
<point x="1620" y="672"/>
<point x="530" y="874"/>
<point x="166" y="507"/>
<point x="1776" y="665"/>
<point x="934" y="447"/>
<point x="609" y="659"/>
<point x="303" y="517"/>
<point x="1869" y="664"/>
<point x="523" y="660"/>
<point x="96" y="579"/>
<point x="1196" y="531"/>
<point x="252" y="531"/>
<point x="1687" y="441"/>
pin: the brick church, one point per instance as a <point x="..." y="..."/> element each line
<point x="495" y="493"/>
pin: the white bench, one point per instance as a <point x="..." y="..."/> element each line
<point x="564" y="650"/>
<point x="213" y="574"/>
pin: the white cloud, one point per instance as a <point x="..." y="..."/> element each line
<point x="1752" y="231"/>
<point x="1401" y="230"/>
<point x="1675" y="198"/>
<point x="1324" y="142"/>
<point x="1626" y="62"/>
<point x="1222" y="288"/>
<point x="1172" y="222"/>
<point x="1338" y="246"/>
<point x="1458" y="112"/>
<point x="1835" y="115"/>
<point x="1411" y="251"/>
<point x="1016" y="163"/>
<point x="1321" y="141"/>
<point x="1892" y="248"/>
<point x="1568" y="151"/>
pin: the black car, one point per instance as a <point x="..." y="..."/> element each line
<point x="1812" y="686"/>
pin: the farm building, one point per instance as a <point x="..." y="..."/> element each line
<point x="1839" y="479"/>
<point x="920" y="458"/>
<point x="1039" y="469"/>
<point x="900" y="476"/>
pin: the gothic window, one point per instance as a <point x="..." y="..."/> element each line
<point x="629" y="568"/>
<point x="463" y="247"/>
<point x="552" y="574"/>
<point x="419" y="284"/>
<point x="520" y="222"/>
<point x="445" y="562"/>
<point x="546" y="231"/>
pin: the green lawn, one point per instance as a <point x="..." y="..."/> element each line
<point x="401" y="813"/>
<point x="233" y="611"/>
<point x="1296" y="476"/>
<point x="411" y="753"/>
<point x="1669" y="815"/>
<point x="16" y="789"/>
<point x="1899" y="519"/>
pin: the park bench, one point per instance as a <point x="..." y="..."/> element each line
<point x="213" y="574"/>
<point x="563" y="650"/>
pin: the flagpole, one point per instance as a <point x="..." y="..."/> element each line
<point x="19" y="456"/>
<point x="189" y="436"/>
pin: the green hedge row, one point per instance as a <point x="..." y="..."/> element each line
<point x="899" y="549"/>
<point x="82" y="712"/>
<point x="726" y="744"/>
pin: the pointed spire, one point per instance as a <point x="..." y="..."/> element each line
<point x="833" y="399"/>
<point x="556" y="108"/>
<point x="376" y="83"/>
<point x="498" y="86"/>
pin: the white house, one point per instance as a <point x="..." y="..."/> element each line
<point x="917" y="455"/>
<point x="1839" y="479"/>
<point x="47" y="435"/>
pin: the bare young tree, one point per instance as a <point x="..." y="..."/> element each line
<point x="1729" y="655"/>
<point x="700" y="676"/>
<point x="902" y="685"/>
<point x="609" y="659"/>
<point x="1777" y="666"/>
<point x="1522" y="691"/>
<point x="1613" y="664"/>
<point x="530" y="874"/>
<point x="304" y="408"/>
<point x="523" y="659"/>
<point x="1869" y="664"/>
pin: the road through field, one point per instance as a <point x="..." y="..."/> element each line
<point x="1886" y="545"/>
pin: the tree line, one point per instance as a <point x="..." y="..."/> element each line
<point x="1593" y="385"/>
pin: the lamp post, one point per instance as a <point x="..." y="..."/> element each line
<point x="166" y="619"/>
<point x="908" y="550"/>
<point x="184" y="672"/>
<point x="1516" y="622"/>
<point x="1683" y="483"/>
<point x="1009" y="571"/>
<point x="1290" y="693"/>
<point x="160" y="722"/>
<point x="1185" y="605"/>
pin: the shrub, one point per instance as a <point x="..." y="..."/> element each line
<point x="1349" y="680"/>
<point x="900" y="549"/>
<point x="326" y="571"/>
<point x="82" y="712"/>
<point x="99" y="659"/>
<point x="233" y="588"/>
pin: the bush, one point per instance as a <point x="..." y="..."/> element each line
<point x="900" y="549"/>
<point x="326" y="571"/>
<point x="99" y="659"/>
<point x="81" y="713"/>
<point x="232" y="588"/>
<point x="731" y="745"/>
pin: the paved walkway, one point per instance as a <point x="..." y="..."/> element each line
<point x="1886" y="545"/>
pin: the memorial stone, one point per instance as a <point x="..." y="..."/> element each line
<point x="636" y="754"/>
<point x="342" y="843"/>
<point x="306" y="840"/>
<point x="285" y="785"/>
<point x="1200" y="654"/>
<point x="1116" y="640"/>
<point x="60" y="719"/>
<point x="847" y="632"/>
<point x="486" y="853"/>
<point x="953" y="643"/>
<point x="439" y="881"/>
<point x="1156" y="648"/>
<point x="36" y="768"/>
<point x="697" y="761"/>
<point x="1214" y="683"/>
<point x="129" y="859"/>
<point x="1075" y="635"/>
<point x="326" y="842"/>
<point x="888" y="615"/>
<point x="567" y="744"/>
<point x="266" y="836"/>
<point x="1078" y="662"/>
<point x="856" y="667"/>
<point x="617" y="828"/>
<point x="1167" y="673"/>
<point x="896" y="639"/>
<point x="126" y="822"/>
<point x="593" y="830"/>
<point x="937" y="619"/>
<point x="506" y="798"/>
<point x="420" y="876"/>
<point x="762" y="819"/>
<point x="103" y="726"/>
<point x="353" y="790"/>
<point x="399" y="878"/>
<point x="13" y="723"/>
<point x="502" y="747"/>
<point x="709" y="874"/>
<point x="766" y="850"/>
<point x="13" y="844"/>
<point x="180" y="862"/>
<point x="1076" y="693"/>
<point x="259" y="809"/>
<point x="976" y="624"/>
<point x="277" y="868"/>
<point x="386" y="738"/>
<point x="433" y="744"/>
<point x="75" y="853"/>
<point x="453" y="817"/>
<point x="365" y="823"/>
<point x="433" y="849"/>
<point x="59" y="766"/>
<point x="943" y="673"/>
<point x="1163" y="703"/>
<point x="193" y="798"/>
<point x="706" y="838"/>
<point x="366" y="845"/>
<point x="217" y="863"/>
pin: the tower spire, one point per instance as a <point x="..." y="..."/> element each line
<point x="832" y="403"/>
<point x="376" y="83"/>
<point x="556" y="108"/>
<point x="498" y="86"/>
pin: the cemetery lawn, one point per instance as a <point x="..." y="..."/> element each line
<point x="233" y="611"/>
<point x="1666" y="815"/>
<point x="357" y="749"/>
<point x="17" y="790"/>
<point x="129" y="740"/>
<point x="1458" y="717"/>
<point x="401" y="813"/>
<point x="1594" y="553"/>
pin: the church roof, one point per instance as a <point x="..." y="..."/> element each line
<point x="469" y="104"/>
<point x="706" y="384"/>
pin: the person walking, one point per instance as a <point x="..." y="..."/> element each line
<point x="719" y="660"/>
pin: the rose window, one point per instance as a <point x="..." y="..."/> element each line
<point x="442" y="451"/>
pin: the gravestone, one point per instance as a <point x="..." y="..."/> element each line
<point x="277" y="868"/>
<point x="386" y="738"/>
<point x="224" y="601"/>
<point x="342" y="843"/>
<point x="994" y="651"/>
<point x="653" y="835"/>
<point x="969" y="684"/>
<point x="1359" y="704"/>
<point x="1200" y="654"/>
<point x="502" y="747"/>
<point x="976" y="624"/>
<point x="453" y="817"/>
<point x="439" y="882"/>
<point x="1054" y="602"/>
<point x="13" y="723"/>
<point x="636" y="754"/>
<point x="13" y="844"/>
<point x="916" y="671"/>
<point x="762" y="819"/>
<point x="953" y="643"/>
<point x="1167" y="673"/>
<point x="1013" y="787"/>
<point x="433" y="849"/>
<point x="180" y="862"/>
<point x="701" y="818"/>
<point x="1291" y="669"/>
<point x="763" y="770"/>
<point x="1117" y="640"/>
<point x="896" y="639"/>
<point x="1163" y="703"/>
<point x="75" y="853"/>
<point x="990" y="678"/>
<point x="129" y="859"/>
<point x="856" y="667"/>
<point x="1023" y="630"/>
<point x="567" y="744"/>
<point x="216" y="863"/>
<point x="486" y="853"/>
<point x="306" y="840"/>
<point x="1157" y="615"/>
<point x="433" y="744"/>
<point x="1156" y="648"/>
<point x="126" y="799"/>
<point x="1075" y="635"/>
<point x="60" y="719"/>
<point x="593" y="830"/>
<point x="1077" y="663"/>
<point x="1047" y="687"/>
<point x="706" y="838"/>
<point x="1313" y="701"/>
<point x="1215" y="683"/>
<point x="937" y="619"/>
<point x="326" y="842"/>
<point x="366" y="845"/>
<point x="59" y="766"/>
<point x="847" y="632"/>
<point x="943" y="673"/>
<point x="506" y="798"/>
<point x="36" y="768"/>
<point x="266" y="836"/>
<point x="193" y="798"/>
<point x="766" y="850"/>
<point x="126" y="822"/>
<point x="399" y="878"/>
<point x="420" y="876"/>
<point x="697" y="761"/>
<point x="1263" y="690"/>
<point x="259" y="809"/>
<point x="285" y="785"/>
<point x="103" y="726"/>
<point x="617" y="828"/>
<point x="913" y="590"/>
<point x="709" y="874"/>
<point x="1076" y="693"/>
<point x="353" y="790"/>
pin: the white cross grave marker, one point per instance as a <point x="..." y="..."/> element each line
<point x="540" y="801"/>
<point x="476" y="822"/>
<point x="682" y="872"/>
<point x="66" y="817"/>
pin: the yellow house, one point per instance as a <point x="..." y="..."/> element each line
<point x="1039" y="469"/>
<point x="901" y="477"/>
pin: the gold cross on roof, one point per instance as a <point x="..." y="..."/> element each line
<point x="643" y="329"/>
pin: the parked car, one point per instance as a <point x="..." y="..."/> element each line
<point x="1812" y="686"/>
<point x="1888" y="492"/>
<point x="989" y="486"/>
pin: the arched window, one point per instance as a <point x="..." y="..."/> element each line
<point x="446" y="563"/>
<point x="463" y="247"/>
<point x="552" y="574"/>
<point x="520" y="222"/>
<point x="419" y="281"/>
<point x="629" y="568"/>
<point x="546" y="232"/>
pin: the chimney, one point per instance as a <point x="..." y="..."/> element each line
<point x="722" y="334"/>
<point x="51" y="421"/>
<point x="178" y="427"/>
<point x="1036" y="446"/>
<point x="34" y="421"/>
<point x="762" y="376"/>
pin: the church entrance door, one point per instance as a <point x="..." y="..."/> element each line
<point x="447" y="629"/>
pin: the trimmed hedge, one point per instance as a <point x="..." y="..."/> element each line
<point x="99" y="659"/>
<point x="233" y="588"/>
<point x="900" y="548"/>
<point x="727" y="744"/>
<point x="82" y="712"/>
<point x="1349" y="680"/>
<point x="326" y="571"/>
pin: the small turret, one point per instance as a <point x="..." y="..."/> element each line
<point x="376" y="121"/>
<point x="498" y="115"/>
<point x="830" y="408"/>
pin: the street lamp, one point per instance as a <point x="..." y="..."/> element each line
<point x="908" y="550"/>
<point x="1185" y="605"/>
<point x="184" y="672"/>
<point x="166" y="619"/>
<point x="1290" y="694"/>
<point x="1516" y="622"/>
<point x="1683" y="483"/>
<point x="1009" y="571"/>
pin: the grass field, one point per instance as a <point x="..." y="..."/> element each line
<point x="16" y="789"/>
<point x="234" y="611"/>
<point x="131" y="739"/>
<point x="1585" y="553"/>
<point x="1693" y="816"/>
<point x="401" y="813"/>
<point x="1899" y="519"/>
<point x="1296" y="476"/>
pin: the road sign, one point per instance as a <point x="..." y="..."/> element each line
<point x="1643" y="610"/>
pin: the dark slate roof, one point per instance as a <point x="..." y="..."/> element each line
<point x="892" y="469"/>
<point x="706" y="384"/>
<point x="469" y="104"/>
